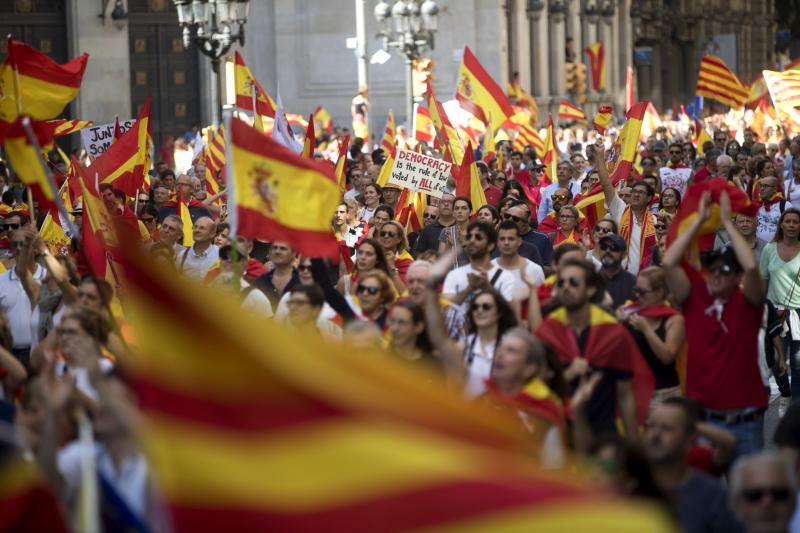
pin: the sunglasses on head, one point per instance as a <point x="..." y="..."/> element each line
<point x="389" y="234"/>
<point x="482" y="307"/>
<point x="777" y="494"/>
<point x="372" y="291"/>
<point x="572" y="280"/>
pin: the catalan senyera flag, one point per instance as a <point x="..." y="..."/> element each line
<point x="65" y="127"/>
<point x="35" y="85"/>
<point x="310" y="142"/>
<point x="715" y="80"/>
<point x="597" y="64"/>
<point x="322" y="116"/>
<point x="528" y="136"/>
<point x="443" y="127"/>
<point x="479" y="94"/>
<point x="215" y="161"/>
<point x="784" y="87"/>
<point x="246" y="83"/>
<point x="624" y="150"/>
<point x="127" y="161"/>
<point x="341" y="162"/>
<point x="27" y="161"/>
<point x="283" y="450"/>
<point x="468" y="181"/>
<point x="388" y="142"/>
<point x="568" y="111"/>
<point x="603" y="118"/>
<point x="423" y="127"/>
<point x="550" y="154"/>
<point x="278" y="195"/>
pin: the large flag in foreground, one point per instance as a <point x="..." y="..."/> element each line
<point x="287" y="432"/>
<point x="715" y="80"/>
<point x="479" y="94"/>
<point x="278" y="195"/>
<point x="623" y="152"/>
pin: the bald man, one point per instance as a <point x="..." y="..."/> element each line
<point x="196" y="260"/>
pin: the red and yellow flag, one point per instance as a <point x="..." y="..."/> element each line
<point x="445" y="131"/>
<point x="622" y="154"/>
<point x="310" y="142"/>
<point x="323" y="118"/>
<point x="386" y="168"/>
<point x="423" y="127"/>
<point x="127" y="161"/>
<point x="341" y="163"/>
<point x="550" y="154"/>
<point x="186" y="218"/>
<point x="278" y="195"/>
<point x="388" y="142"/>
<point x="215" y="161"/>
<point x="65" y="127"/>
<point x="468" y="181"/>
<point x="489" y="150"/>
<point x="597" y="65"/>
<point x="27" y="161"/>
<point x="479" y="94"/>
<point x="528" y="136"/>
<point x="568" y="111"/>
<point x="784" y="87"/>
<point x="592" y="205"/>
<point x="33" y="84"/>
<point x="246" y="83"/>
<point x="603" y="118"/>
<point x="97" y="229"/>
<point x="701" y="136"/>
<point x="715" y="80"/>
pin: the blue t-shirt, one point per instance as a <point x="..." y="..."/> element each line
<point x="703" y="507"/>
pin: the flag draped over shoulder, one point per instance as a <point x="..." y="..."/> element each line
<point x="33" y="84"/>
<point x="479" y="94"/>
<point x="388" y="141"/>
<point x="715" y="80"/>
<point x="597" y="65"/>
<point x="278" y="195"/>
<point x="568" y="111"/>
<point x="624" y="150"/>
<point x="127" y="161"/>
<point x="468" y="182"/>
<point x="246" y="83"/>
<point x="257" y="440"/>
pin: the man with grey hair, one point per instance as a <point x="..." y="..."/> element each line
<point x="197" y="260"/>
<point x="763" y="491"/>
<point x="724" y="165"/>
<point x="171" y="231"/>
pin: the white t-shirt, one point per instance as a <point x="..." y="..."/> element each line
<point x="478" y="359"/>
<point x="767" y="221"/>
<point x="14" y="302"/>
<point x="616" y="209"/>
<point x="456" y="281"/>
<point x="533" y="271"/>
<point x="677" y="178"/>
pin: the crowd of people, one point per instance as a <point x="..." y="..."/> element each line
<point x="614" y="351"/>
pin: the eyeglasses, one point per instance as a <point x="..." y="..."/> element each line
<point x="303" y="268"/>
<point x="720" y="139"/>
<point x="604" y="231"/>
<point x="372" y="291"/>
<point x="641" y="292"/>
<point x="477" y="237"/>
<point x="572" y="280"/>
<point x="560" y="197"/>
<point x="660" y="227"/>
<point x="297" y="302"/>
<point x="514" y="218"/>
<point x="676" y="152"/>
<point x="482" y="307"/>
<point x="390" y="234"/>
<point x="429" y="216"/>
<point x="11" y="226"/>
<point x="777" y="494"/>
<point x="147" y="220"/>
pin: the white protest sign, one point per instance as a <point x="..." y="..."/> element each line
<point x="677" y="178"/>
<point x="96" y="139"/>
<point x="420" y="172"/>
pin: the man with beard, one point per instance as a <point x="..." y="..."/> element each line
<point x="619" y="282"/>
<point x="587" y="339"/>
<point x="700" y="500"/>
<point x="480" y="273"/>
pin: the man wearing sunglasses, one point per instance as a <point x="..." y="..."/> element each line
<point x="764" y="492"/>
<point x="535" y="245"/>
<point x="700" y="500"/>
<point x="723" y="317"/>
<point x="619" y="282"/>
<point x="564" y="174"/>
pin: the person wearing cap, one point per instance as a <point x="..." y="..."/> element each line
<point x="723" y="317"/>
<point x="619" y="282"/>
<point x="391" y="194"/>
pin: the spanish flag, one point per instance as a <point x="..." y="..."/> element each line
<point x="186" y="218"/>
<point x="341" y="163"/>
<point x="388" y="142"/>
<point x="568" y="111"/>
<point x="278" y="195"/>
<point x="479" y="94"/>
<point x="603" y="118"/>
<point x="65" y="127"/>
<point x="27" y="161"/>
<point x="97" y="228"/>
<point x="33" y="84"/>
<point x="715" y="80"/>
<point x="622" y="154"/>
<point x="287" y="432"/>
<point x="550" y="154"/>
<point x="246" y="84"/>
<point x="423" y="127"/>
<point x="528" y="136"/>
<point x="468" y="182"/>
<point x="127" y="161"/>
<point x="386" y="168"/>
<point x="597" y="65"/>
<point x="701" y="136"/>
<point x="609" y="345"/>
<point x="592" y="205"/>
<point x="310" y="142"/>
<point x="26" y="502"/>
<point x="445" y="132"/>
<point x="322" y="117"/>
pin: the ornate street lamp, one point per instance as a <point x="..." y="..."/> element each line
<point x="534" y="9"/>
<point x="591" y="12"/>
<point x="209" y="25"/>
<point x="608" y="12"/>
<point x="409" y="26"/>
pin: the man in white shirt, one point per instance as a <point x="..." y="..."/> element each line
<point x="480" y="273"/>
<point x="508" y="243"/>
<point x="14" y="301"/>
<point x="196" y="261"/>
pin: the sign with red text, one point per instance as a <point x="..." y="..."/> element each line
<point x="420" y="172"/>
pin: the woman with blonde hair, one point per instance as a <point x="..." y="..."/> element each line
<point x="393" y="239"/>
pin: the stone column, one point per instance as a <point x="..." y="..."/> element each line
<point x="522" y="43"/>
<point x="614" y="55"/>
<point x="557" y="55"/>
<point x="606" y="36"/>
<point x="541" y="51"/>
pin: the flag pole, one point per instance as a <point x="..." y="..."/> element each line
<point x="62" y="211"/>
<point x="232" y="218"/>
<point x="136" y="203"/>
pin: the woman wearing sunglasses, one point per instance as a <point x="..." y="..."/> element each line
<point x="392" y="237"/>
<point x="369" y="256"/>
<point x="658" y="329"/>
<point x="670" y="201"/>
<point x="567" y="226"/>
<point x="603" y="227"/>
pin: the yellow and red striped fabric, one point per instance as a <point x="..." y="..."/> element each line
<point x="245" y="84"/>
<point x="388" y="142"/>
<point x="27" y="161"/>
<point x="784" y="87"/>
<point x="278" y="195"/>
<point x="468" y="181"/>
<point x="701" y="136"/>
<point x="602" y="118"/>
<point x="479" y="94"/>
<point x="592" y="205"/>
<point x="568" y="111"/>
<point x="288" y="432"/>
<point x="528" y="136"/>
<point x="715" y="80"/>
<point x="597" y="64"/>
<point x="215" y="161"/>
<point x="65" y="127"/>
<point x="624" y="150"/>
<point x="310" y="142"/>
<point x="322" y="116"/>
<point x="444" y="129"/>
<point x="423" y="127"/>
<point x="339" y="170"/>
<point x="550" y="154"/>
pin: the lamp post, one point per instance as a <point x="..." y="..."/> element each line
<point x="408" y="26"/>
<point x="209" y="25"/>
